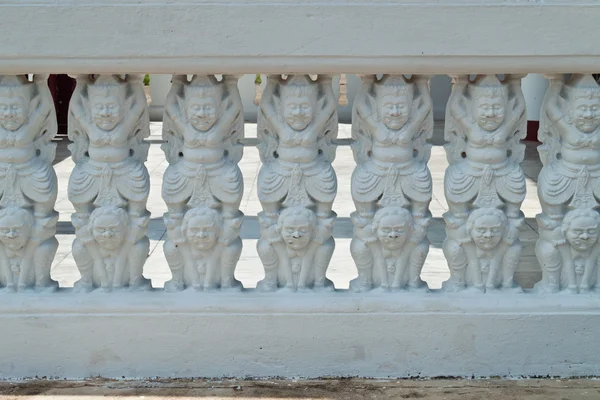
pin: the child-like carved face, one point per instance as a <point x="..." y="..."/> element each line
<point x="109" y="231"/>
<point x="107" y="111"/>
<point x="488" y="110"/>
<point x="487" y="232"/>
<point x="202" y="112"/>
<point x="298" y="111"/>
<point x="14" y="233"/>
<point x="202" y="232"/>
<point x="395" y="109"/>
<point x="296" y="232"/>
<point x="586" y="114"/>
<point x="392" y="231"/>
<point x="582" y="233"/>
<point x="13" y="112"/>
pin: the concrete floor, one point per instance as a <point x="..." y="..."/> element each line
<point x="249" y="269"/>
<point x="347" y="389"/>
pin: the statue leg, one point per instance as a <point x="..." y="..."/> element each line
<point x="270" y="260"/>
<point x="321" y="261"/>
<point x="85" y="264"/>
<point x="175" y="261"/>
<point x="459" y="210"/>
<point x="510" y="263"/>
<point x="135" y="260"/>
<point x="551" y="261"/>
<point x="324" y="209"/>
<point x="363" y="258"/>
<point x="137" y="209"/>
<point x="457" y="262"/>
<point x="513" y="210"/>
<point x="271" y="209"/>
<point x="417" y="260"/>
<point x="366" y="210"/>
<point x="229" y="259"/>
<point x="42" y="260"/>
<point x="176" y="210"/>
<point x="419" y="209"/>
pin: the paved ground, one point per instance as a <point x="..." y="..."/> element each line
<point x="347" y="389"/>
<point x="249" y="269"/>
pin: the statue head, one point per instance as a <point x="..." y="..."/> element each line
<point x="203" y="97"/>
<point x="15" y="95"/>
<point x="298" y="101"/>
<point x="107" y="101"/>
<point x="584" y="94"/>
<point x="393" y="226"/>
<point x="16" y="225"/>
<point x="109" y="226"/>
<point x="580" y="228"/>
<point x="489" y="98"/>
<point x="202" y="227"/>
<point x="297" y="226"/>
<point x="487" y="226"/>
<point x="394" y="101"/>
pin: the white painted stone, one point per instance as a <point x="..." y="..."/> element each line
<point x="157" y="334"/>
<point x="569" y="185"/>
<point x="28" y="185"/>
<point x="391" y="185"/>
<point x="296" y="183"/>
<point x="109" y="186"/>
<point x="319" y="36"/>
<point x="203" y="185"/>
<point x="484" y="183"/>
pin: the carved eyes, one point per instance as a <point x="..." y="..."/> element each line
<point x="299" y="230"/>
<point x="594" y="109"/>
<point x="111" y="106"/>
<point x="578" y="232"/>
<point x="495" y="107"/>
<point x="399" y="231"/>
<point x="12" y="107"/>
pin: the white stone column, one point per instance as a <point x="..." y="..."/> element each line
<point x="391" y="185"/>
<point x="28" y="184"/>
<point x="109" y="186"/>
<point x="484" y="184"/>
<point x="296" y="183"/>
<point x="203" y="185"/>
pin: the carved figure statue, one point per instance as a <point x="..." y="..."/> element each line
<point x="28" y="185"/>
<point x="392" y="120"/>
<point x="570" y="178"/>
<point x="98" y="251"/>
<point x="490" y="255"/>
<point x="108" y="122"/>
<point x="485" y="121"/>
<point x="295" y="251"/>
<point x="297" y="123"/>
<point x="203" y="126"/>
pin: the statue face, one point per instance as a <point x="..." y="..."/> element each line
<point x="395" y="110"/>
<point x="582" y="233"/>
<point x="489" y="112"/>
<point x="392" y="232"/>
<point x="202" y="233"/>
<point x="202" y="112"/>
<point x="487" y="232"/>
<point x="107" y="111"/>
<point x="298" y="111"/>
<point x="586" y="114"/>
<point x="13" y="112"/>
<point x="109" y="231"/>
<point x="13" y="232"/>
<point x="296" y="232"/>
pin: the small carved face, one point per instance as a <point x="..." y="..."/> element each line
<point x="14" y="234"/>
<point x="109" y="231"/>
<point x="582" y="233"/>
<point x="489" y="112"/>
<point x="392" y="232"/>
<point x="586" y="114"/>
<point x="13" y="112"/>
<point x="202" y="112"/>
<point x="107" y="111"/>
<point x="296" y="232"/>
<point x="487" y="232"/>
<point x="298" y="111"/>
<point x="395" y="110"/>
<point x="202" y="233"/>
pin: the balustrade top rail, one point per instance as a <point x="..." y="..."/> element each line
<point x="281" y="36"/>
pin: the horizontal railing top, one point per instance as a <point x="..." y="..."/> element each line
<point x="282" y="36"/>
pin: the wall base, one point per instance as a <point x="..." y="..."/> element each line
<point x="139" y="335"/>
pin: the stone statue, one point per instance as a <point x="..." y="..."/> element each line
<point x="295" y="251"/>
<point x="203" y="126"/>
<point x="485" y="121"/>
<point x="108" y="122"/>
<point x="98" y="251"/>
<point x="570" y="178"/>
<point x="297" y="123"/>
<point x="392" y="120"/>
<point x="28" y="185"/>
<point x="488" y="257"/>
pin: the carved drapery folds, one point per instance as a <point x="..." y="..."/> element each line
<point x="391" y="185"/>
<point x="569" y="185"/>
<point x="203" y="186"/>
<point x="109" y="186"/>
<point x="484" y="184"/>
<point x="28" y="185"/>
<point x="297" y="122"/>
